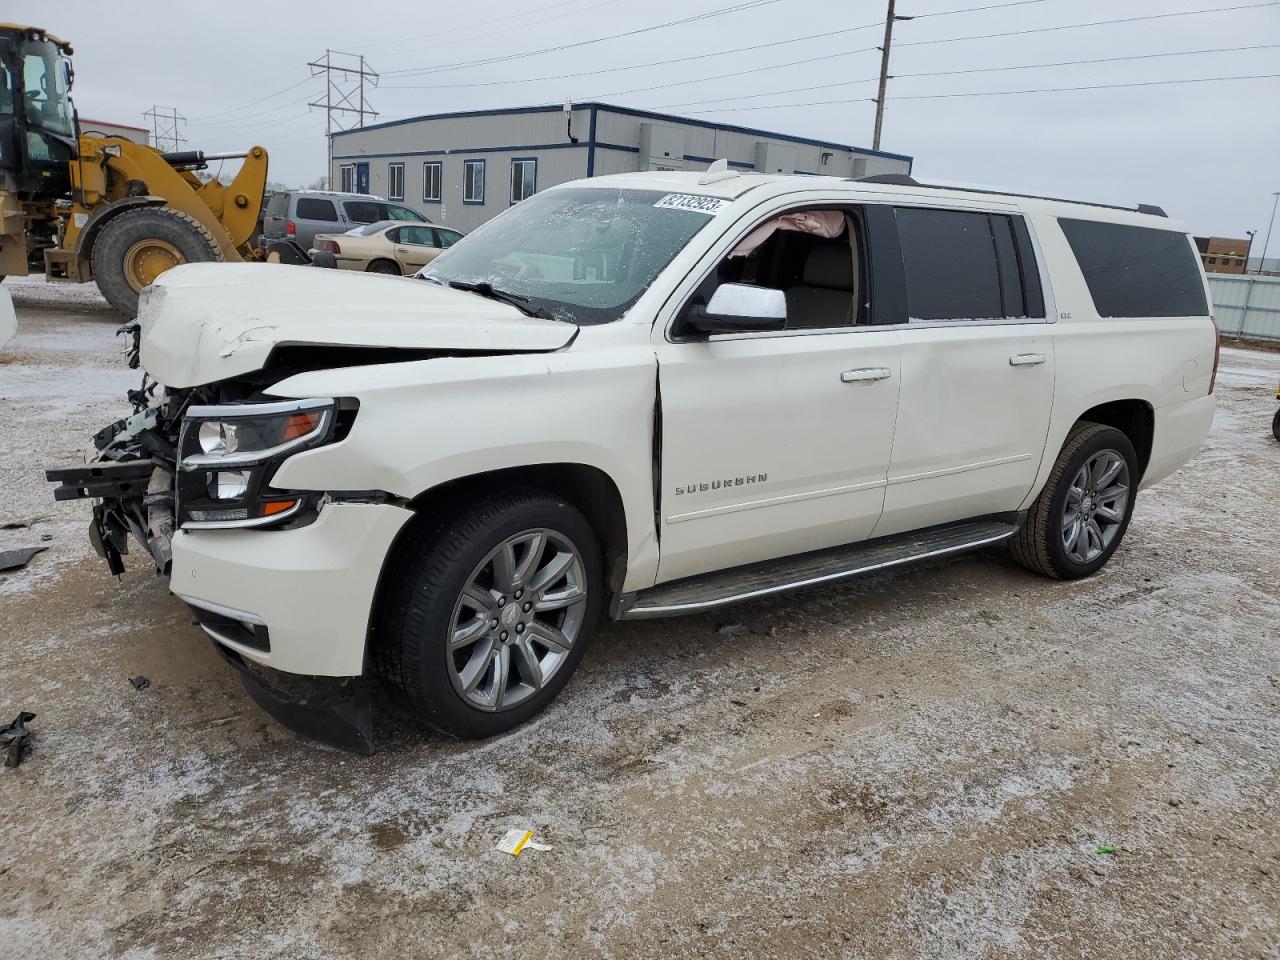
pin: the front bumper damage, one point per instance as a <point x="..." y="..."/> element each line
<point x="305" y="671"/>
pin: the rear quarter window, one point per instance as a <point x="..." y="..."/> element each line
<point x="313" y="208"/>
<point x="1137" y="271"/>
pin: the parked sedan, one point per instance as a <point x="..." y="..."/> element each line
<point x="388" y="246"/>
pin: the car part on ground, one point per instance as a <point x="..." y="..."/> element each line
<point x="15" y="738"/>
<point x="17" y="559"/>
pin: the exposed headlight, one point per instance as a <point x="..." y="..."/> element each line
<point x="228" y="454"/>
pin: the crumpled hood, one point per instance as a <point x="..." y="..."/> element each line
<point x="205" y="322"/>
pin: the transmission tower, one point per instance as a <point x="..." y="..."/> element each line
<point x="166" y="133"/>
<point x="347" y="77"/>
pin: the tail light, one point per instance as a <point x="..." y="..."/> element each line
<point x="1217" y="351"/>
<point x="331" y="246"/>
<point x="290" y="228"/>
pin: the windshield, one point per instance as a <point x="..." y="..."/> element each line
<point x="583" y="254"/>
<point x="44" y="78"/>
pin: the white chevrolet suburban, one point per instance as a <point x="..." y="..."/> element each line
<point x="639" y="396"/>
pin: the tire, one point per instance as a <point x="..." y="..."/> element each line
<point x="1275" y="425"/>
<point x="426" y="609"/>
<point x="138" y="245"/>
<point x="1049" y="541"/>
<point x="385" y="266"/>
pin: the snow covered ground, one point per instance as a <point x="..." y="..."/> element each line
<point x="924" y="763"/>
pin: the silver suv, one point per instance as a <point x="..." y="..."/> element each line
<point x="300" y="214"/>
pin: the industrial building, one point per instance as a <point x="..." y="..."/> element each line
<point x="103" y="128"/>
<point x="1223" y="254"/>
<point x="465" y="168"/>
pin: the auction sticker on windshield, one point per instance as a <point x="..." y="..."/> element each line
<point x="690" y="201"/>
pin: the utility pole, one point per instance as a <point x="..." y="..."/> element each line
<point x="344" y="93"/>
<point x="884" y="71"/>
<point x="166" y="134"/>
<point x="1263" y="261"/>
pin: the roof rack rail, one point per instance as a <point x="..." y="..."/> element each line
<point x="904" y="180"/>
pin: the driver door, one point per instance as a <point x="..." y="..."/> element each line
<point x="777" y="443"/>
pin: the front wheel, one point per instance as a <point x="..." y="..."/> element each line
<point x="491" y="615"/>
<point x="1081" y="515"/>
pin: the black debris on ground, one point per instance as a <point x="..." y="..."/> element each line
<point x="140" y="682"/>
<point x="17" y="559"/>
<point x="15" y="739"/>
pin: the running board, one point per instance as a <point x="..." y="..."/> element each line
<point x="718" y="589"/>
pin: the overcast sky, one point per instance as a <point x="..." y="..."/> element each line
<point x="1208" y="152"/>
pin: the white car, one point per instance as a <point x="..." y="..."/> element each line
<point x="638" y="396"/>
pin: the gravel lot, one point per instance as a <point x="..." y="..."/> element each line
<point x="919" y="764"/>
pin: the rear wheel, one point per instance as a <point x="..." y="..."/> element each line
<point x="384" y="266"/>
<point x="1275" y="425"/>
<point x="492" y="614"/>
<point x="139" y="245"/>
<point x="1081" y="515"/>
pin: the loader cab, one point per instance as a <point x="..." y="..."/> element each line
<point x="38" y="134"/>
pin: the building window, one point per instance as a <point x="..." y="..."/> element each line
<point x="1213" y="259"/>
<point x="524" y="178"/>
<point x="395" y="181"/>
<point x="473" y="181"/>
<point x="347" y="178"/>
<point x="431" y="177"/>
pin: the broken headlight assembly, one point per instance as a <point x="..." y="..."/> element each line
<point x="229" y="453"/>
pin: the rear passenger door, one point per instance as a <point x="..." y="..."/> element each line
<point x="415" y="247"/>
<point x="977" y="368"/>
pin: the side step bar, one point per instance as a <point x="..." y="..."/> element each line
<point x="723" y="587"/>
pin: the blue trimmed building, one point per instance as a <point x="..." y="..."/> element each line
<point x="465" y="168"/>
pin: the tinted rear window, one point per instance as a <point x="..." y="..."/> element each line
<point x="365" y="211"/>
<point x="278" y="205"/>
<point x="950" y="262"/>
<point x="1137" y="271"/>
<point x="313" y="208"/>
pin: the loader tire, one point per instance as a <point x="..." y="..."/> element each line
<point x="139" y="245"/>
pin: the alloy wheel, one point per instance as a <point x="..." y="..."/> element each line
<point x="516" y="619"/>
<point x="1096" y="505"/>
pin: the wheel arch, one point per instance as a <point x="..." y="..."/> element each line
<point x="389" y="261"/>
<point x="1135" y="418"/>
<point x="588" y="488"/>
<point x="89" y="233"/>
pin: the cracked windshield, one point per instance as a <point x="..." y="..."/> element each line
<point x="584" y="255"/>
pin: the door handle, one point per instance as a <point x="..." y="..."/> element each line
<point x="1026" y="359"/>
<point x="865" y="374"/>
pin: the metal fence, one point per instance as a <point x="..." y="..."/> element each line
<point x="1246" y="306"/>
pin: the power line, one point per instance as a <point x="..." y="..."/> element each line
<point x="718" y="12"/>
<point x="945" y="73"/>
<point x="493" y="33"/>
<point x="1092" y="23"/>
<point x="995" y="93"/>
<point x="254" y="103"/>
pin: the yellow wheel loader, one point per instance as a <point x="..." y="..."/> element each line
<point x="105" y="208"/>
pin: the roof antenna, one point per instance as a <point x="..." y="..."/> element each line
<point x="717" y="171"/>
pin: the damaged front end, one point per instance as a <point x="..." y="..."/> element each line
<point x="202" y="459"/>
<point x="132" y="479"/>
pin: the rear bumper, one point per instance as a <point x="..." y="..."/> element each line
<point x="1180" y="431"/>
<point x="297" y="601"/>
